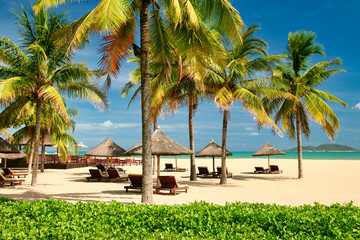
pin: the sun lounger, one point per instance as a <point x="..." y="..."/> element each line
<point x="169" y="167"/>
<point x="261" y="170"/>
<point x="9" y="174"/>
<point x="204" y="172"/>
<point x="135" y="182"/>
<point x="4" y="180"/>
<point x="114" y="175"/>
<point x="101" y="167"/>
<point x="228" y="174"/>
<point x="121" y="170"/>
<point x="95" y="174"/>
<point x="169" y="183"/>
<point x="275" y="169"/>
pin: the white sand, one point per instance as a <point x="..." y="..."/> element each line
<point x="324" y="181"/>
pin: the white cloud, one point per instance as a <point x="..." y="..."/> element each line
<point x="249" y="129"/>
<point x="245" y="134"/>
<point x="104" y="125"/>
<point x="357" y="106"/>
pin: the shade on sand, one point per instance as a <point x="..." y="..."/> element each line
<point x="268" y="150"/>
<point x="161" y="144"/>
<point x="212" y="150"/>
<point x="106" y="149"/>
<point x="8" y="151"/>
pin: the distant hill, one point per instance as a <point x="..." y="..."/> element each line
<point x="326" y="148"/>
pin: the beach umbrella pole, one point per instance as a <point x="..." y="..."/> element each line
<point x="214" y="166"/>
<point x="5" y="160"/>
<point x="176" y="162"/>
<point x="269" y="162"/>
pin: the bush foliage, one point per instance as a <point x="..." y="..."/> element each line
<point x="51" y="219"/>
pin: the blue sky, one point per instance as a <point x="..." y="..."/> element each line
<point x="337" y="24"/>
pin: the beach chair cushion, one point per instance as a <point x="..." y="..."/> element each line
<point x="228" y="174"/>
<point x="9" y="173"/>
<point x="169" y="167"/>
<point x="95" y="174"/>
<point x="114" y="175"/>
<point x="203" y="172"/>
<point x="169" y="183"/>
<point x="275" y="169"/>
<point x="4" y="180"/>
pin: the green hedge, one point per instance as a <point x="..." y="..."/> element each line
<point x="50" y="219"/>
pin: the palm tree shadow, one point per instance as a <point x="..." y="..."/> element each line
<point x="265" y="177"/>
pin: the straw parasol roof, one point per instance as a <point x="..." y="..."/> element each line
<point x="211" y="150"/>
<point x="47" y="143"/>
<point x="161" y="144"/>
<point x="267" y="150"/>
<point x="8" y="151"/>
<point x="106" y="149"/>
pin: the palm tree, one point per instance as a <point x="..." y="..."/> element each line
<point x="40" y="73"/>
<point x="117" y="19"/>
<point x="299" y="80"/>
<point x="233" y="81"/>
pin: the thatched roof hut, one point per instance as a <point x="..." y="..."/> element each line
<point x="8" y="151"/>
<point x="161" y="144"/>
<point x="106" y="149"/>
<point x="212" y="150"/>
<point x="268" y="150"/>
<point x="47" y="143"/>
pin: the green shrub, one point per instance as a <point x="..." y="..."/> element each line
<point x="50" y="219"/>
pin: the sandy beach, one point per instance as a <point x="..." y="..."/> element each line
<point x="325" y="182"/>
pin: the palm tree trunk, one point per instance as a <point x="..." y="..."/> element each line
<point x="299" y="144"/>
<point x="154" y="157"/>
<point x="191" y="137"/>
<point x="32" y="150"/>
<point x="37" y="142"/>
<point x="43" y="153"/>
<point x="223" y="179"/>
<point x="147" y="184"/>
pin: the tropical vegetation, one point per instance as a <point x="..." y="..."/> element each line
<point x="237" y="80"/>
<point x="116" y="19"/>
<point x="303" y="101"/>
<point x="40" y="74"/>
<point x="50" y="219"/>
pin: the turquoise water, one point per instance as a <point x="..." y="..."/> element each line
<point x="293" y="155"/>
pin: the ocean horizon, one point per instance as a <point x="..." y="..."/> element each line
<point x="288" y="155"/>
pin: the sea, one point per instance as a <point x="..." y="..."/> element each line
<point x="292" y="155"/>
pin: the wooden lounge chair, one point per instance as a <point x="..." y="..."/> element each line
<point x="169" y="183"/>
<point x="95" y="174"/>
<point x="275" y="169"/>
<point x="169" y="167"/>
<point x="204" y="172"/>
<point x="261" y="170"/>
<point x="101" y="167"/>
<point x="228" y="174"/>
<point x="9" y="174"/>
<point x="135" y="182"/>
<point x="4" y="180"/>
<point x="114" y="175"/>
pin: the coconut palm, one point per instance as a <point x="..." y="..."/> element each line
<point x="235" y="81"/>
<point x="39" y="73"/>
<point x="299" y="80"/>
<point x="117" y="20"/>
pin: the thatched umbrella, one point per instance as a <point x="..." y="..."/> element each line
<point x="161" y="144"/>
<point x="106" y="149"/>
<point x="268" y="150"/>
<point x="47" y="141"/>
<point x="8" y="151"/>
<point x="212" y="150"/>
